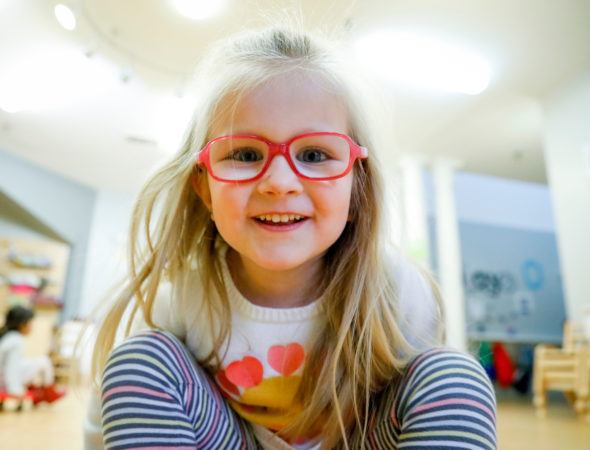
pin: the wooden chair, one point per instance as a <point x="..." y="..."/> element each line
<point x="65" y="362"/>
<point x="565" y="369"/>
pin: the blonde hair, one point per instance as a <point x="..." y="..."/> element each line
<point x="360" y="347"/>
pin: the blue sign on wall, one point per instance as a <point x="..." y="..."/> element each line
<point x="513" y="289"/>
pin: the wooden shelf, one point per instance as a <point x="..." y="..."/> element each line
<point x="56" y="252"/>
<point x="46" y="316"/>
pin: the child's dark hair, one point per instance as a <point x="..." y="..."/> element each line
<point x="16" y="317"/>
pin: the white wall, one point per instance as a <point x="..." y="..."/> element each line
<point x="567" y="157"/>
<point x="106" y="261"/>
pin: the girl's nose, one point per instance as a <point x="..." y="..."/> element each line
<point x="280" y="179"/>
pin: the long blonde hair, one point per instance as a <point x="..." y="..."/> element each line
<point x="360" y="348"/>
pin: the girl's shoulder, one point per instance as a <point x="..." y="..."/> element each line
<point x="167" y="311"/>
<point x="417" y="301"/>
<point x="411" y="280"/>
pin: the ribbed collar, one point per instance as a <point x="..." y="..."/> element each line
<point x="263" y="313"/>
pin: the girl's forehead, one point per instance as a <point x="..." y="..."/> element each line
<point x="283" y="106"/>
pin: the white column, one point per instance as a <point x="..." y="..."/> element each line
<point x="450" y="267"/>
<point x="415" y="226"/>
<point x="567" y="159"/>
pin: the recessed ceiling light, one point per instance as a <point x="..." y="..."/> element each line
<point x="65" y="16"/>
<point x="199" y="9"/>
<point x="424" y="62"/>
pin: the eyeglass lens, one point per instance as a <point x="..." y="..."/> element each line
<point x="319" y="156"/>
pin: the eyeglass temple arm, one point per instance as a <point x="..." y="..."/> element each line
<point x="364" y="152"/>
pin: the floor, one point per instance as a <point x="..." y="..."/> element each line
<point x="59" y="426"/>
<point x="520" y="429"/>
<point x="46" y="427"/>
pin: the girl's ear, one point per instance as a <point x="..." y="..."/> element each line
<point x="201" y="188"/>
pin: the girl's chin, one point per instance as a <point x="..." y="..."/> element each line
<point x="279" y="264"/>
<point x="275" y="258"/>
<point x="283" y="261"/>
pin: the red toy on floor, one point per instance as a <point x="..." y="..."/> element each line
<point x="48" y="394"/>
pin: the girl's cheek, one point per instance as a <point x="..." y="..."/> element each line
<point x="230" y="201"/>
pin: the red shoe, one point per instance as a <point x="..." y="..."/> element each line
<point x="52" y="394"/>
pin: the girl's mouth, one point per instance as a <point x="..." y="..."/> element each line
<point x="279" y="219"/>
<point x="280" y="222"/>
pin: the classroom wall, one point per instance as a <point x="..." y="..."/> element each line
<point x="63" y="205"/>
<point x="13" y="228"/>
<point x="15" y="221"/>
<point x="106" y="262"/>
<point x="511" y="273"/>
<point x="567" y="156"/>
<point x="498" y="202"/>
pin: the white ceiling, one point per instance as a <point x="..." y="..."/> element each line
<point x="110" y="139"/>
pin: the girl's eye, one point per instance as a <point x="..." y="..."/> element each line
<point x="312" y="155"/>
<point x="245" y="154"/>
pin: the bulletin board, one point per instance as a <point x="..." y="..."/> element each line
<point x="512" y="283"/>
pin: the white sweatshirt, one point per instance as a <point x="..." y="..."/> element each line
<point x="257" y="330"/>
<point x="12" y="351"/>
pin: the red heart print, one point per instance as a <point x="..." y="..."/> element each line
<point x="245" y="373"/>
<point x="227" y="385"/>
<point x="286" y="359"/>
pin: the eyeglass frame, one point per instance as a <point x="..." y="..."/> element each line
<point x="282" y="148"/>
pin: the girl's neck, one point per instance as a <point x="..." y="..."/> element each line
<point x="275" y="289"/>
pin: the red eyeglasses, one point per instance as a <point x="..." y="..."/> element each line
<point x="312" y="156"/>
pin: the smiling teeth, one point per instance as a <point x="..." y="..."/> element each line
<point x="276" y="218"/>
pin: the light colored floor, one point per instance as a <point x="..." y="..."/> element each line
<point x="46" y="427"/>
<point x="520" y="429"/>
<point x="59" y="426"/>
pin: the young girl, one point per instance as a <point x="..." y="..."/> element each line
<point x="279" y="317"/>
<point x="18" y="373"/>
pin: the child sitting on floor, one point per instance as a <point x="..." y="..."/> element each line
<point x="19" y="374"/>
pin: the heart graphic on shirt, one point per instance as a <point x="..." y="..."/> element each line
<point x="245" y="373"/>
<point x="227" y="385"/>
<point x="286" y="359"/>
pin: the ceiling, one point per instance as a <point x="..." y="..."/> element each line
<point x="112" y="138"/>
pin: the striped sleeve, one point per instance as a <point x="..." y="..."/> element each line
<point x="445" y="400"/>
<point x="141" y="406"/>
